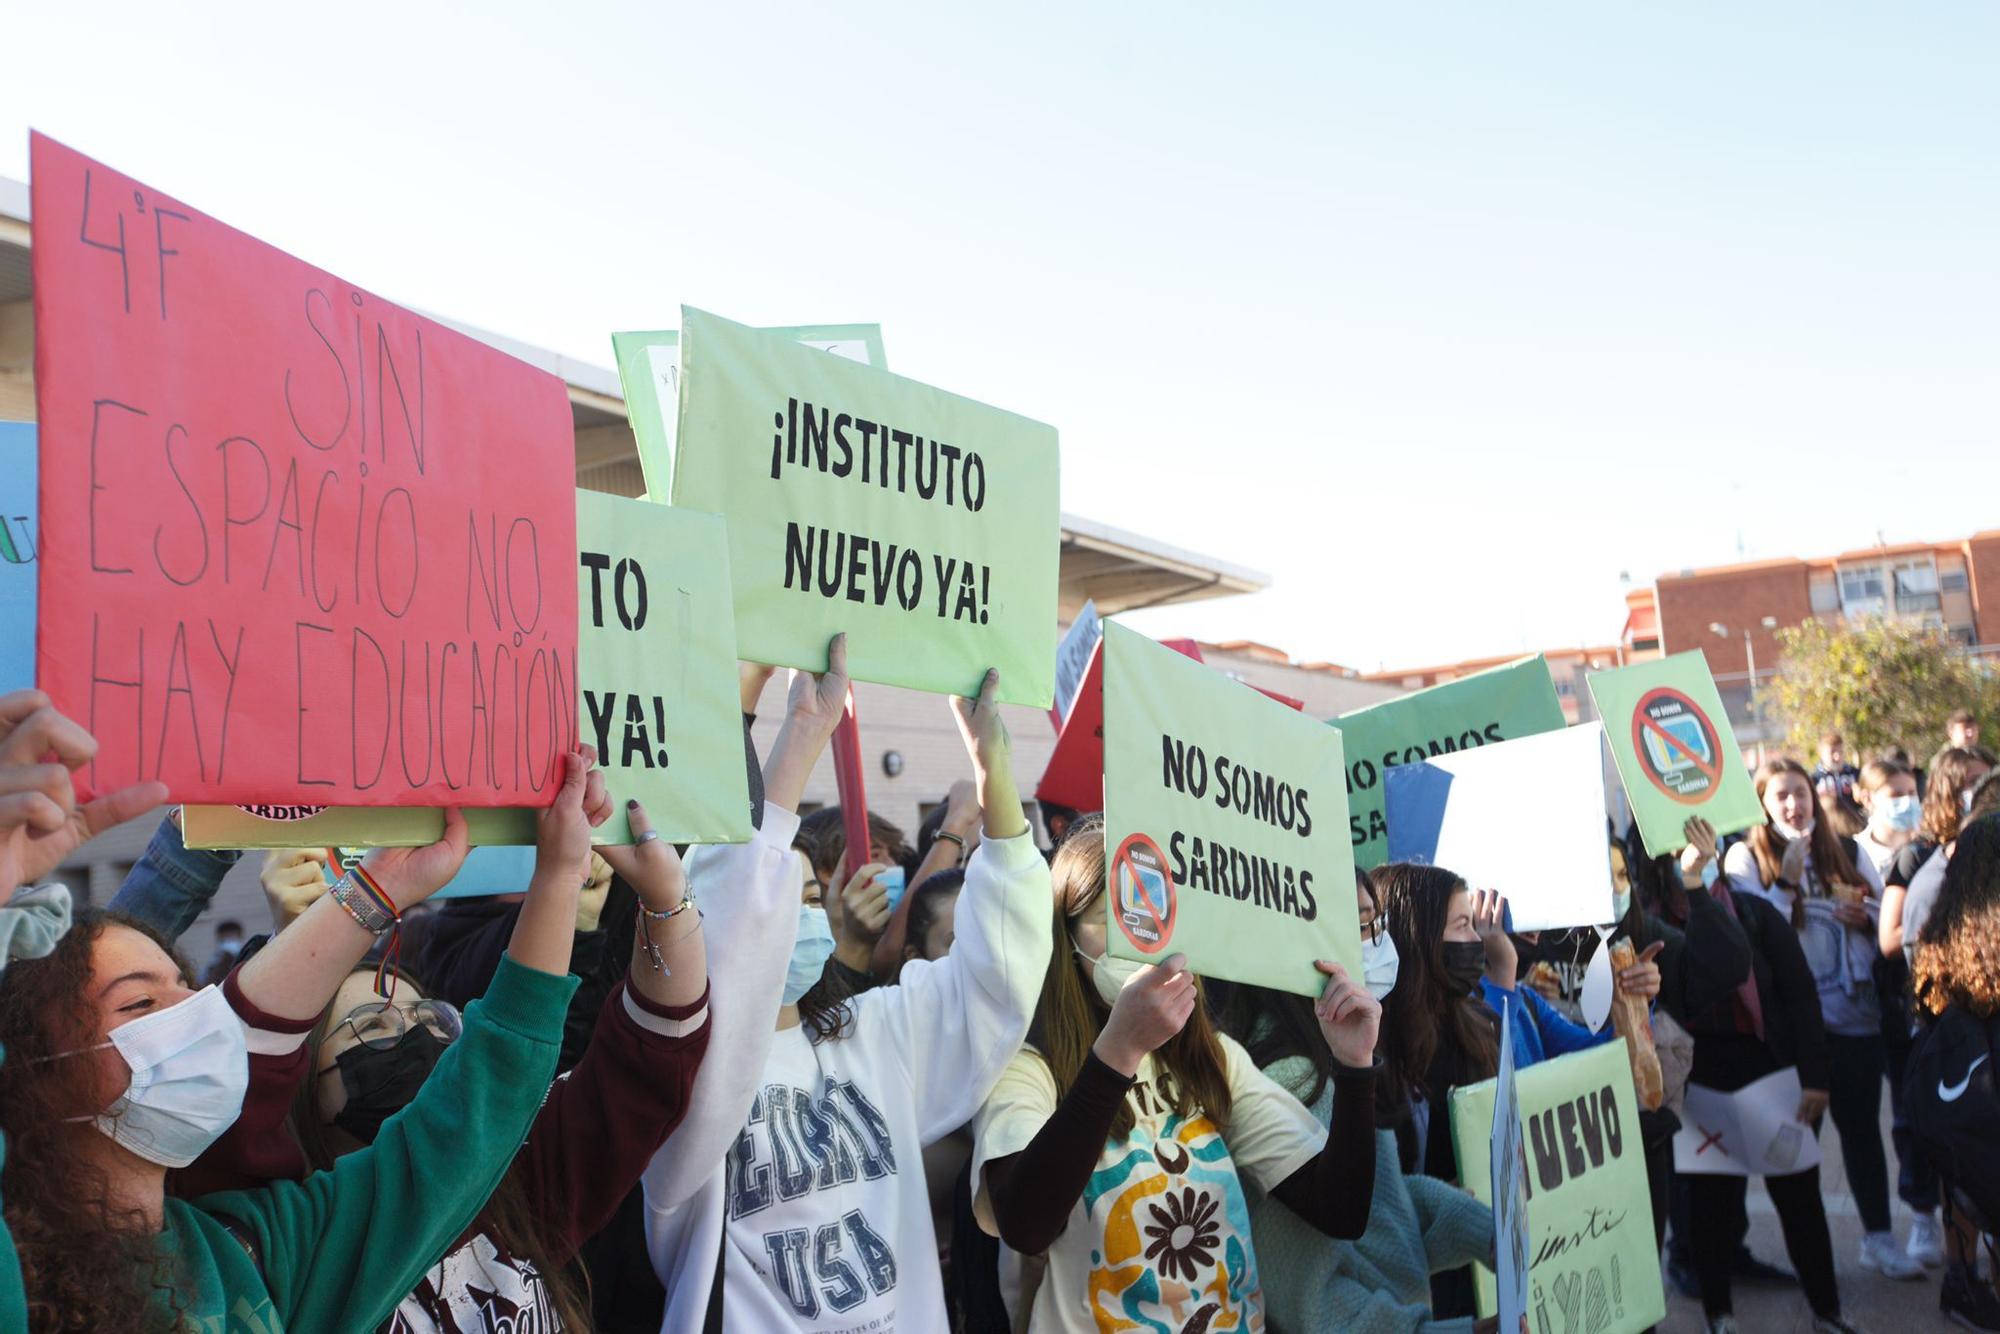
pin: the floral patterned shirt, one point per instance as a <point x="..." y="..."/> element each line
<point x="1160" y="1239"/>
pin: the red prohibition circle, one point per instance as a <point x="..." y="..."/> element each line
<point x="1682" y="775"/>
<point x="1142" y="894"/>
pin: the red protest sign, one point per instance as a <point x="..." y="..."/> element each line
<point x="1075" y="773"/>
<point x="316" y="549"/>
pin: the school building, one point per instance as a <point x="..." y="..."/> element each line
<point x="910" y="741"/>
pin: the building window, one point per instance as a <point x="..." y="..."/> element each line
<point x="1952" y="581"/>
<point x="1916" y="588"/>
<point x="1825" y="590"/>
<point x="1962" y="635"/>
<point x="1862" y="591"/>
<point x="1565" y="687"/>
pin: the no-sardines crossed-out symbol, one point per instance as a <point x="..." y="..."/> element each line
<point x="1142" y="894"/>
<point x="1677" y="745"/>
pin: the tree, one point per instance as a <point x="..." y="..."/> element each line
<point x="1879" y="683"/>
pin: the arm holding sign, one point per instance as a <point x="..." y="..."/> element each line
<point x="41" y="822"/>
<point x="171" y="884"/>
<point x="750" y="898"/>
<point x="958" y="1020"/>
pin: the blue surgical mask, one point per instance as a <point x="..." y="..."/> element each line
<point x="1621" y="903"/>
<point x="1898" y="813"/>
<point x="1380" y="965"/>
<point x="810" y="952"/>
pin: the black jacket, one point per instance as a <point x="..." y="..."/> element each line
<point x="1725" y="1058"/>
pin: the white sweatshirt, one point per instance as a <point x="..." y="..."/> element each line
<point x="803" y="1161"/>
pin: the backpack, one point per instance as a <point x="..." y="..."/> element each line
<point x="1952" y="1094"/>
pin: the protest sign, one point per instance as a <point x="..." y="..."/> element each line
<point x="279" y="826"/>
<point x="649" y="371"/>
<point x="1074" y="775"/>
<point x="487" y="870"/>
<point x="1674" y="749"/>
<point x="922" y="523"/>
<point x="657" y="698"/>
<point x="1464" y="812"/>
<point x="1593" y="1261"/>
<point x="1073" y="658"/>
<point x="658" y="668"/>
<point x="20" y="540"/>
<point x="1223" y="824"/>
<point x="315" y="547"/>
<point x="1754" y="1131"/>
<point x="1509" y="1172"/>
<point x="1499" y="704"/>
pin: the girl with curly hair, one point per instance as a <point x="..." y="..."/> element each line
<point x="120" y="1070"/>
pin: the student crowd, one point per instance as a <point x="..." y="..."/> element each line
<point x="751" y="1087"/>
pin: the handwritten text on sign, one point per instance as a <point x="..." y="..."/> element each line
<point x="923" y="523"/>
<point x="317" y="548"/>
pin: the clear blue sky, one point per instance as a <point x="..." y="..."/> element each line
<point x="1444" y="315"/>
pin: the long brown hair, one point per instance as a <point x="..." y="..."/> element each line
<point x="1425" y="1012"/>
<point x="1948" y="777"/>
<point x="85" y="1265"/>
<point x="1193" y="1076"/>
<point x="1831" y="863"/>
<point x="509" y="1216"/>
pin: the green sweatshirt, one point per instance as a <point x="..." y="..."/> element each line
<point x="13" y="1297"/>
<point x="339" y="1249"/>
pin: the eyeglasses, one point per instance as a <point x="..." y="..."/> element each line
<point x="1373" y="931"/>
<point x="382" y="1024"/>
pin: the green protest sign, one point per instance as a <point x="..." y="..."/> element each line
<point x="657" y="697"/>
<point x="923" y="523"/>
<point x="1593" y="1262"/>
<point x="1674" y="749"/>
<point x="649" y="370"/>
<point x="658" y="668"/>
<point x="1222" y="823"/>
<point x="1499" y="704"/>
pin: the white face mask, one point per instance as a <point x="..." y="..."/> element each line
<point x="1898" y="813"/>
<point x="810" y="951"/>
<point x="1790" y="832"/>
<point x="1621" y="903"/>
<point x="190" y="1069"/>
<point x="1109" y="975"/>
<point x="1380" y="966"/>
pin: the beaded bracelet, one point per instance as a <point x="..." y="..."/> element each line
<point x="653" y="955"/>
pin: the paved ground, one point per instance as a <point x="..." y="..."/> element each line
<point x="1876" y="1304"/>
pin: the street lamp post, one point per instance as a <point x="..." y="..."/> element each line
<point x="1750" y="660"/>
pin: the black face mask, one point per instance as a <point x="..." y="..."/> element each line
<point x="380" y="1083"/>
<point x="1464" y="964"/>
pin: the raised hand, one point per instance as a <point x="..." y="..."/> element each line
<point x="1701" y="845"/>
<point x="1792" y="867"/>
<point x="562" y="828"/>
<point x="1154" y="1005"/>
<point x="860" y="912"/>
<point x="1489" y="912"/>
<point x="652" y="867"/>
<point x="817" y="702"/>
<point x="1349" y="1018"/>
<point x="992" y="752"/>
<point x="40" y="820"/>
<point x="293" y="879"/>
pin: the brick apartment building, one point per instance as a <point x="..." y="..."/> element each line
<point x="1733" y="612"/>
